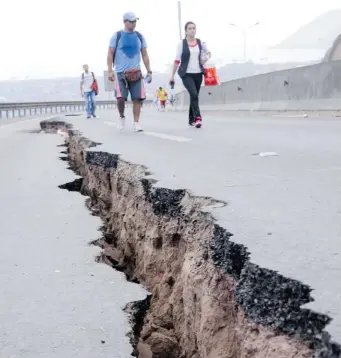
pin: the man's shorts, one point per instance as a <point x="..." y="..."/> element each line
<point x="163" y="103"/>
<point x="136" y="89"/>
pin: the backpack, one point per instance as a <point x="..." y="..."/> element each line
<point x="118" y="37"/>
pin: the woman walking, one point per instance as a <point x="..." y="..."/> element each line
<point x="191" y="56"/>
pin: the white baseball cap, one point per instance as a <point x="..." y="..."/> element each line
<point x="130" y="16"/>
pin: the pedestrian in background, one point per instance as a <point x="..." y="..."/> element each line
<point x="162" y="96"/>
<point x="191" y="55"/>
<point x="89" y="91"/>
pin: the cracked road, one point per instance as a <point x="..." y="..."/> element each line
<point x="285" y="209"/>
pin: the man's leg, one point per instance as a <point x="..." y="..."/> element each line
<point x="138" y="94"/>
<point x="121" y="92"/>
<point x="137" y="110"/>
<point x="121" y="106"/>
<point x="87" y="104"/>
<point x="93" y="103"/>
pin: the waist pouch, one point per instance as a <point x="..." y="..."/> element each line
<point x="132" y="75"/>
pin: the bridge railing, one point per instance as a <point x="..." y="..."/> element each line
<point x="23" y="109"/>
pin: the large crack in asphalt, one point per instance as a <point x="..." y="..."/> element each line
<point x="207" y="298"/>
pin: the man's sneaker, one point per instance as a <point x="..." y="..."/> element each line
<point x="95" y="116"/>
<point x="198" y="122"/>
<point x="137" y="127"/>
<point x="88" y="117"/>
<point x="121" y="124"/>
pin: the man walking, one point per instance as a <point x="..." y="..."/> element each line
<point x="124" y="54"/>
<point x="89" y="89"/>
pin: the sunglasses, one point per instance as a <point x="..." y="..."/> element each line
<point x="131" y="22"/>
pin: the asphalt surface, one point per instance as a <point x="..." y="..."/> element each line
<point x="285" y="209"/>
<point x="55" y="301"/>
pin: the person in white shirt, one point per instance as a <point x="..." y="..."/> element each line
<point x="88" y="87"/>
<point x="191" y="56"/>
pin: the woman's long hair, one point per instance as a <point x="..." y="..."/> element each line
<point x="186" y="26"/>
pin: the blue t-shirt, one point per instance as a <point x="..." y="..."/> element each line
<point x="128" y="51"/>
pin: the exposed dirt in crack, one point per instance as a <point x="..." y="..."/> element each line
<point x="208" y="300"/>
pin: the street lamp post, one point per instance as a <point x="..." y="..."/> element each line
<point x="244" y="32"/>
<point x="180" y="19"/>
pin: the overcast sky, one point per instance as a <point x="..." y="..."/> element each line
<point x="44" y="38"/>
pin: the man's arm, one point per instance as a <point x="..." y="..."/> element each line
<point x="145" y="58"/>
<point x="81" y="86"/>
<point x="111" y="56"/>
<point x="110" y="59"/>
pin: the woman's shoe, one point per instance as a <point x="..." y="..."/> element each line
<point x="198" y="122"/>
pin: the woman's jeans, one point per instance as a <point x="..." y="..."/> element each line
<point x="192" y="82"/>
<point x="90" y="102"/>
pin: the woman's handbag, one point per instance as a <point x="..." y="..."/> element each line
<point x="211" y="76"/>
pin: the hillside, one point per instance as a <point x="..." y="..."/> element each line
<point x="320" y="33"/>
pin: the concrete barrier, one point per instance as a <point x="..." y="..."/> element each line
<point x="310" y="88"/>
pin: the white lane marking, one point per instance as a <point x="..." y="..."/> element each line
<point x="303" y="115"/>
<point x="157" y="135"/>
<point x="111" y="124"/>
<point x="168" y="136"/>
<point x="325" y="169"/>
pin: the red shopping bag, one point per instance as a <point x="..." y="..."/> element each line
<point x="94" y="87"/>
<point x="211" y="76"/>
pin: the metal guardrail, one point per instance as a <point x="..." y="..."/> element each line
<point x="23" y="109"/>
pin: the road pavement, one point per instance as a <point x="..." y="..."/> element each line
<point x="286" y="208"/>
<point x="55" y="300"/>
